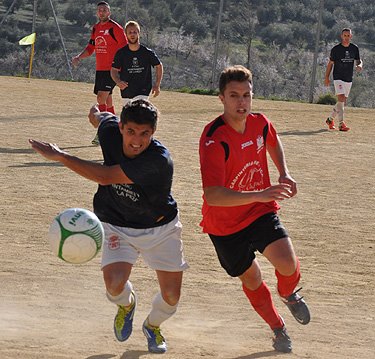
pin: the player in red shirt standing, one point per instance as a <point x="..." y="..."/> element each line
<point x="240" y="208"/>
<point x="107" y="37"/>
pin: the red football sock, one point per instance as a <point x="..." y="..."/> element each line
<point x="261" y="301"/>
<point x="102" y="108"/>
<point x="287" y="284"/>
<point x="111" y="109"/>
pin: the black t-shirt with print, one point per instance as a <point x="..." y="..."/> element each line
<point x="344" y="58"/>
<point x="136" y="69"/>
<point x="147" y="202"/>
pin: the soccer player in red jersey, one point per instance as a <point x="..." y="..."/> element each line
<point x="239" y="202"/>
<point x="107" y="37"/>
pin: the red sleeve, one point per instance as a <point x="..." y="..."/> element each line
<point x="272" y="135"/>
<point x="120" y="35"/>
<point x="271" y="132"/>
<point x="90" y="48"/>
<point x="212" y="162"/>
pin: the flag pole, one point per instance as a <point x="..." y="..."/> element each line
<point x="31" y="59"/>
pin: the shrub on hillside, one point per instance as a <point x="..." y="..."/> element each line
<point x="327" y="99"/>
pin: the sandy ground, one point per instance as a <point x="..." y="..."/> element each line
<point x="50" y="309"/>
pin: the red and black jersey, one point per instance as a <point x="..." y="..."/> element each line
<point x="106" y="39"/>
<point x="238" y="162"/>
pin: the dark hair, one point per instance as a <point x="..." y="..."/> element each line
<point x="346" y="29"/>
<point x="103" y="3"/>
<point x="141" y="112"/>
<point x="234" y="73"/>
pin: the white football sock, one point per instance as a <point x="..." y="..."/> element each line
<point x="160" y="311"/>
<point x="124" y="298"/>
<point x="334" y="112"/>
<point x="340" y="112"/>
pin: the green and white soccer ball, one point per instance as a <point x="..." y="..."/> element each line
<point x="76" y="235"/>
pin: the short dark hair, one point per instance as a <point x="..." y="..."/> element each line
<point x="346" y="29"/>
<point x="234" y="73"/>
<point x="103" y="3"/>
<point x="141" y="112"/>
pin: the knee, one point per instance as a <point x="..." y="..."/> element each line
<point x="101" y="98"/>
<point x="171" y="296"/>
<point x="288" y="265"/>
<point x="114" y="283"/>
<point x="252" y="280"/>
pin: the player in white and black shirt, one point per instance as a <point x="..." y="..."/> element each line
<point x="343" y="58"/>
<point x="132" y="67"/>
<point x="139" y="215"/>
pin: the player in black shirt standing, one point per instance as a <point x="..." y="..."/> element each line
<point x="132" y="67"/>
<point x="342" y="59"/>
<point x="138" y="213"/>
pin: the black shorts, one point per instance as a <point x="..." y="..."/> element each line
<point x="236" y="251"/>
<point x="103" y="82"/>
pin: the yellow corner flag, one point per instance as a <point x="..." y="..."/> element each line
<point x="28" y="40"/>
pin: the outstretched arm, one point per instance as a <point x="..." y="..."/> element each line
<point x="93" y="171"/>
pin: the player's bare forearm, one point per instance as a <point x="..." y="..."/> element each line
<point x="277" y="155"/>
<point x="76" y="59"/>
<point x="225" y="197"/>
<point x="115" y="74"/>
<point x="328" y="72"/>
<point x="278" y="158"/>
<point x="359" y="65"/>
<point x="93" y="171"/>
<point x="159" y="76"/>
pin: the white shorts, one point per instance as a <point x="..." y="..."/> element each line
<point x="342" y="87"/>
<point x="160" y="247"/>
<point x="139" y="97"/>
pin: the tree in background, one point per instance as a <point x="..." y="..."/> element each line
<point x="274" y="38"/>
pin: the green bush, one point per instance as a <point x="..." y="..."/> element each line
<point x="327" y="99"/>
<point x="198" y="91"/>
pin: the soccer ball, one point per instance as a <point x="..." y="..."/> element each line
<point x="76" y="235"/>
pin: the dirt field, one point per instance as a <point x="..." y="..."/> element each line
<point x="50" y="309"/>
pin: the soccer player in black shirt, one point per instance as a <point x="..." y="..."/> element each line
<point x="137" y="210"/>
<point x="343" y="58"/>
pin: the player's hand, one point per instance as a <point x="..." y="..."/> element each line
<point x="291" y="182"/>
<point x="277" y="192"/>
<point x="48" y="150"/>
<point x="122" y="85"/>
<point x="326" y="82"/>
<point x="75" y="61"/>
<point x="358" y="68"/>
<point x="155" y="90"/>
